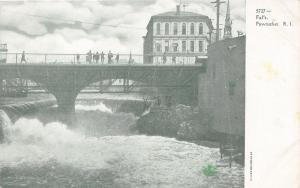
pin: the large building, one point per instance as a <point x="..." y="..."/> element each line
<point x="177" y="37"/>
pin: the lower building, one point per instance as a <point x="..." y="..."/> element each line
<point x="222" y="88"/>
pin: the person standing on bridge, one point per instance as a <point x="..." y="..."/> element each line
<point x="117" y="58"/>
<point x="90" y="57"/>
<point x="97" y="57"/>
<point x="102" y="57"/>
<point x="94" y="58"/>
<point x="23" y="59"/>
<point x="110" y="56"/>
<point x="130" y="61"/>
<point x="78" y="58"/>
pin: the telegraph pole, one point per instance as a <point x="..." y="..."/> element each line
<point x="218" y="3"/>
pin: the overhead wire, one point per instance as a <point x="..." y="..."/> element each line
<point x="77" y="21"/>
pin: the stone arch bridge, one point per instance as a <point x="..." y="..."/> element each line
<point x="66" y="81"/>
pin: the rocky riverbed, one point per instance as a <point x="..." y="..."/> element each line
<point x="179" y="121"/>
<point x="106" y="150"/>
<point x="184" y="123"/>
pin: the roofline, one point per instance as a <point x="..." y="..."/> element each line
<point x="181" y="14"/>
<point x="206" y="18"/>
<point x="228" y="40"/>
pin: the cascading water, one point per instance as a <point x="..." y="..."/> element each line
<point x="100" y="107"/>
<point x="51" y="155"/>
<point x="5" y="126"/>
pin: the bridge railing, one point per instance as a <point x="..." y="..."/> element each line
<point x="38" y="58"/>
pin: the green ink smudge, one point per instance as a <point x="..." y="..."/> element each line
<point x="209" y="170"/>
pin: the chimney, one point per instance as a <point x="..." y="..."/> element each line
<point x="177" y="9"/>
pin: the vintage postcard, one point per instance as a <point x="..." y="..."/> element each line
<point x="149" y="94"/>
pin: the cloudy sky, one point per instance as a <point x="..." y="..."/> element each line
<point x="75" y="26"/>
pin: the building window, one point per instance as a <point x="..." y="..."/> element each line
<point x="184" y="28"/>
<point x="200" y="29"/>
<point x="158" y="47"/>
<point x="184" y="46"/>
<point x="175" y="47"/>
<point x="167" y="28"/>
<point x="200" y="46"/>
<point x="231" y="88"/>
<point x="175" y="29"/>
<point x="192" y="46"/>
<point x="166" y="46"/>
<point x="158" y="28"/>
<point x="192" y="29"/>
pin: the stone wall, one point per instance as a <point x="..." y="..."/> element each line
<point x="222" y="88"/>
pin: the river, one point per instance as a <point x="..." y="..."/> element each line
<point x="105" y="151"/>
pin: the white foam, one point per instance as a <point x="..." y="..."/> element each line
<point x="140" y="161"/>
<point x="99" y="107"/>
<point x="5" y="124"/>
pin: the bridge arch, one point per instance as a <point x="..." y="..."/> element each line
<point x="66" y="81"/>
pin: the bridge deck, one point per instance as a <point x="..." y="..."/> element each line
<point x="100" y="65"/>
<point x="92" y="58"/>
<point x="160" y="67"/>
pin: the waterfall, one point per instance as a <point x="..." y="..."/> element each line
<point x="5" y="124"/>
<point x="99" y="107"/>
<point x="49" y="154"/>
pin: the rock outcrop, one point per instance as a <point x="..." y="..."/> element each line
<point x="181" y="122"/>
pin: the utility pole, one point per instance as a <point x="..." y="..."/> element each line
<point x="218" y="3"/>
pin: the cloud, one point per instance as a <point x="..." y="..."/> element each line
<point x="67" y="27"/>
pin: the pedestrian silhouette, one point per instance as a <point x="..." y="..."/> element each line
<point x="131" y="60"/>
<point x="110" y="56"/>
<point x="94" y="58"/>
<point x="89" y="57"/>
<point x="102" y="57"/>
<point x="78" y="58"/>
<point x="97" y="57"/>
<point x="117" y="58"/>
<point x="23" y="59"/>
